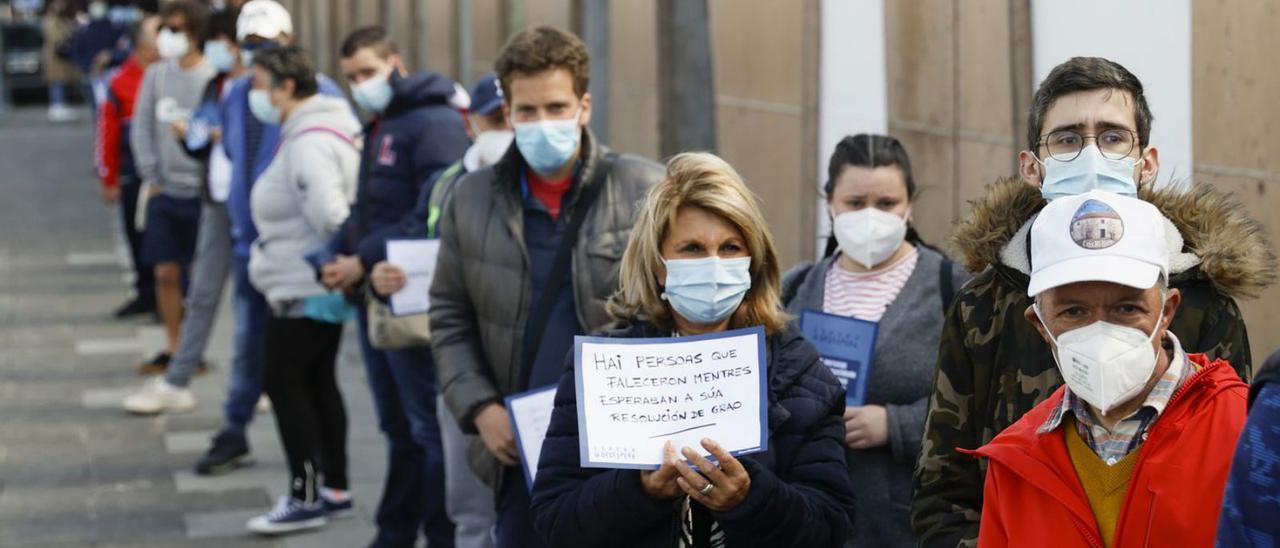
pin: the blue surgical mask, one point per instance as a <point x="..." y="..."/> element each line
<point x="374" y="94"/>
<point x="708" y="290"/>
<point x="1089" y="171"/>
<point x="261" y="107"/>
<point x="219" y="55"/>
<point x="246" y="58"/>
<point x="547" y="145"/>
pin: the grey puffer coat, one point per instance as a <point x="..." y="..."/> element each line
<point x="481" y="291"/>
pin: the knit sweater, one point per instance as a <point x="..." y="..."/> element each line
<point x="900" y="380"/>
<point x="1104" y="485"/>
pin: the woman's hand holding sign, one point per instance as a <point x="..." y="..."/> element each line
<point x="660" y="484"/>
<point x="866" y="426"/>
<point x="719" y="488"/>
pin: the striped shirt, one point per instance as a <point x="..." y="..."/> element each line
<point x="1113" y="445"/>
<point x="866" y="295"/>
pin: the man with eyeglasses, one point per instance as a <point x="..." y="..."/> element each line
<point x="1088" y="129"/>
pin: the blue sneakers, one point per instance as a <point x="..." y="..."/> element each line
<point x="289" y="515"/>
<point x="338" y="510"/>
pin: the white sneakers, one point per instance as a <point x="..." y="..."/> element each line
<point x="62" y="113"/>
<point x="157" y="396"/>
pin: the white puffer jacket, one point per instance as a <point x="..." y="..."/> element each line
<point x="303" y="197"/>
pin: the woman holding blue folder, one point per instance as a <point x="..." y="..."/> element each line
<point x="701" y="260"/>
<point x="881" y="274"/>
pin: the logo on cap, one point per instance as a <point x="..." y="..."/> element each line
<point x="1096" y="226"/>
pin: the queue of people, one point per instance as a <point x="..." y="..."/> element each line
<point x="1077" y="378"/>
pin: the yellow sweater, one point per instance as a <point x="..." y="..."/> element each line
<point x="1104" y="485"/>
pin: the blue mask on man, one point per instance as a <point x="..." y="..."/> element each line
<point x="547" y="145"/>
<point x="219" y="55"/>
<point x="708" y="290"/>
<point x="1088" y="171"/>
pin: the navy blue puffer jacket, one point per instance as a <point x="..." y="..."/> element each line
<point x="420" y="134"/>
<point x="800" y="494"/>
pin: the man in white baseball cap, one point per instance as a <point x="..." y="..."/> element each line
<point x="1136" y="409"/>
<point x="264" y="18"/>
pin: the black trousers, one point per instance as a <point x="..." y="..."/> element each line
<point x="299" y="359"/>
<point x="144" y="275"/>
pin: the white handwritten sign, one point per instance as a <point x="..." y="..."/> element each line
<point x="530" y="418"/>
<point x="636" y="394"/>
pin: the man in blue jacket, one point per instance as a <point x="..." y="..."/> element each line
<point x="416" y="131"/>
<point x="250" y="145"/>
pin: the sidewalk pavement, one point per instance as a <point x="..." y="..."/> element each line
<point x="75" y="469"/>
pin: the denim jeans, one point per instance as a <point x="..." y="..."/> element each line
<point x="403" y="383"/>
<point x="245" y="383"/>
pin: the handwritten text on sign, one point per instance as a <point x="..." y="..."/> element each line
<point x="636" y="394"/>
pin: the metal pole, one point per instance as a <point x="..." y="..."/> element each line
<point x="465" y="51"/>
<point x="421" y="29"/>
<point x="687" y="97"/>
<point x="4" y="88"/>
<point x="595" y="32"/>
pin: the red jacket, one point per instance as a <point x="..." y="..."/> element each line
<point x="1034" y="498"/>
<point x="113" y="116"/>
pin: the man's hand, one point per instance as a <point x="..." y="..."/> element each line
<point x="866" y="426"/>
<point x="342" y="274"/>
<point x="110" y="194"/>
<point x="494" y="424"/>
<point x="387" y="278"/>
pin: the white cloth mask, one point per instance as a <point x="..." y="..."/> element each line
<point x="172" y="45"/>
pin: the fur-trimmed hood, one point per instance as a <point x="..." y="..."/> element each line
<point x="1208" y="232"/>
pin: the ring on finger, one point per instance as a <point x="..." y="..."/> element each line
<point x="708" y="489"/>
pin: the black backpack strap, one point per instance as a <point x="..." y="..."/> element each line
<point x="537" y="324"/>
<point x="946" y="284"/>
<point x="792" y="286"/>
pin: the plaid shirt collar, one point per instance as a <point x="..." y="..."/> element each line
<point x="1129" y="433"/>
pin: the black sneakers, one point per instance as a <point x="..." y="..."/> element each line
<point x="229" y="451"/>
<point x="156" y="365"/>
<point x="136" y="307"/>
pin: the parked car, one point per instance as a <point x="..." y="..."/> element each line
<point x="23" y="61"/>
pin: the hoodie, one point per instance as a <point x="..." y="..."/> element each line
<point x="303" y="197"/>
<point x="993" y="366"/>
<point x="420" y="134"/>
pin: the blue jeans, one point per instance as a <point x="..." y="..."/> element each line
<point x="515" y="520"/>
<point x="403" y="383"/>
<point x="245" y="383"/>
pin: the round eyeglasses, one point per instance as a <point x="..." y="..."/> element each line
<point x="1065" y="145"/>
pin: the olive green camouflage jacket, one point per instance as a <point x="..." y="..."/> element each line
<point x="993" y="366"/>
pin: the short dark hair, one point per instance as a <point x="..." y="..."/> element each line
<point x="195" y="16"/>
<point x="289" y="63"/>
<point x="222" y="24"/>
<point x="540" y="49"/>
<point x="374" y="37"/>
<point x="1087" y="74"/>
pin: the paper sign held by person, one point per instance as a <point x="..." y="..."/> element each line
<point x="847" y="346"/>
<point x="530" y="417"/>
<point x="634" y="395"/>
<point x="417" y="258"/>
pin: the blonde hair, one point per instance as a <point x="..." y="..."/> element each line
<point x="702" y="180"/>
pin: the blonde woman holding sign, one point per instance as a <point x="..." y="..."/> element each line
<point x="701" y="260"/>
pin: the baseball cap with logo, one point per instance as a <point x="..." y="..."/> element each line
<point x="265" y="18"/>
<point x="486" y="94"/>
<point x="1097" y="236"/>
